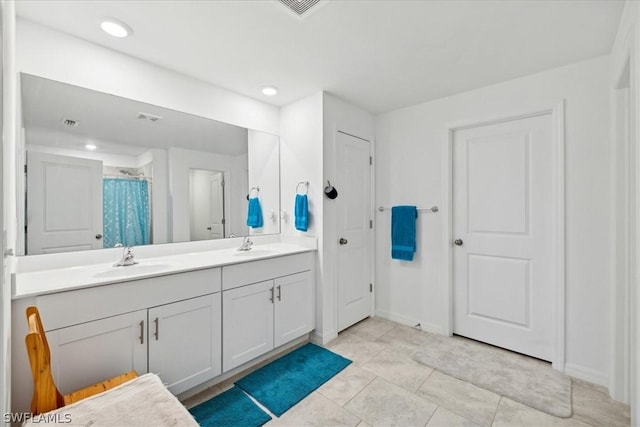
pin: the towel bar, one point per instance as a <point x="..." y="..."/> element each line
<point x="431" y="209"/>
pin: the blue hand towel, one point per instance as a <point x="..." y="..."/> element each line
<point x="403" y="232"/>
<point x="302" y="212"/>
<point x="254" y="215"/>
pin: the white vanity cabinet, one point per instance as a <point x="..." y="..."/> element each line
<point x="190" y="326"/>
<point x="180" y="341"/>
<point x="258" y="316"/>
<point x="184" y="342"/>
<point x="91" y="352"/>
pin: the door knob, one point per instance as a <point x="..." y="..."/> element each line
<point x="343" y="241"/>
<point x="98" y="236"/>
<point x="458" y="242"/>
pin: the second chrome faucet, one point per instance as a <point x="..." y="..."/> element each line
<point x="127" y="257"/>
<point x="246" y="244"/>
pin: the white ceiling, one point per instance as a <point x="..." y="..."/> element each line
<point x="112" y="123"/>
<point x="378" y="54"/>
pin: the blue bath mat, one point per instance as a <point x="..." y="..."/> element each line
<point x="232" y="408"/>
<point x="289" y="379"/>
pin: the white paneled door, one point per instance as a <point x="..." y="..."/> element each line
<point x="353" y="226"/>
<point x="216" y="203"/>
<point x="503" y="235"/>
<point x="64" y="195"/>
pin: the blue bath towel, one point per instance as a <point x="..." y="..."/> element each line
<point x="302" y="212"/>
<point x="254" y="215"/>
<point x="403" y="232"/>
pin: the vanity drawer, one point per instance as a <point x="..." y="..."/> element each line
<point x="83" y="305"/>
<point x="246" y="273"/>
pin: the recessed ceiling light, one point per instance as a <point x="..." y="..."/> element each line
<point x="115" y="28"/>
<point x="90" y="146"/>
<point x="269" y="90"/>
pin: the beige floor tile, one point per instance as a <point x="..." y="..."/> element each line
<point x="512" y="413"/>
<point x="355" y="348"/>
<point x="445" y="418"/>
<point x="398" y="368"/>
<point x="592" y="405"/>
<point x="344" y="386"/>
<point x="384" y="404"/>
<point x="363" y="424"/>
<point x="404" y="338"/>
<point x="315" y="410"/>
<point x="461" y="397"/>
<point x="372" y="328"/>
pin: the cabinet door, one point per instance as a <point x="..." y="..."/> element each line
<point x="92" y="352"/>
<point x="294" y="308"/>
<point x="184" y="342"/>
<point x="247" y="322"/>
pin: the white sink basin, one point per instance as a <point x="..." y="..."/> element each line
<point x="142" y="268"/>
<point x="255" y="252"/>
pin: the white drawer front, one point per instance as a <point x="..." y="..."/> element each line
<point x="237" y="275"/>
<point x="83" y="305"/>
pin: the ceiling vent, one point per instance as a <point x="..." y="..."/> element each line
<point x="70" y="123"/>
<point x="147" y="116"/>
<point x="299" y="7"/>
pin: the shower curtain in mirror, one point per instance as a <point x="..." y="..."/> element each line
<point x="125" y="212"/>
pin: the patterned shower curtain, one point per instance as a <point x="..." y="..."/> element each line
<point x="125" y="212"/>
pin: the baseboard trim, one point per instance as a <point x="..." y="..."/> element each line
<point x="586" y="374"/>
<point x="323" y="338"/>
<point x="428" y="327"/>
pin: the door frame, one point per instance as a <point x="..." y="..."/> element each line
<point x="556" y="112"/>
<point x="623" y="379"/>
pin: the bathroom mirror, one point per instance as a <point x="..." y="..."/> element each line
<point x="103" y="170"/>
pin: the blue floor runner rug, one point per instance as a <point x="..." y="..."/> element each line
<point x="286" y="381"/>
<point x="232" y="408"/>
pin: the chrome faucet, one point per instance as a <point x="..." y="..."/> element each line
<point x="127" y="257"/>
<point x="246" y="244"/>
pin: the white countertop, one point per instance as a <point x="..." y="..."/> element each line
<point x="33" y="283"/>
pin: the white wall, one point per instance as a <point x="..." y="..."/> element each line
<point x="301" y="159"/>
<point x="307" y="146"/>
<point x="338" y="115"/>
<point x="264" y="172"/>
<point x="180" y="163"/>
<point x="57" y="56"/>
<point x="409" y="170"/>
<point x="9" y="125"/>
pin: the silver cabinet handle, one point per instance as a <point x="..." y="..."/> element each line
<point x="279" y="293"/>
<point x="343" y="241"/>
<point x="271" y="297"/>
<point x="157" y="332"/>
<point x="142" y="332"/>
<point x="98" y="236"/>
<point x="458" y="242"/>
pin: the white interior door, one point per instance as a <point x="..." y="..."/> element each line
<point x="503" y="231"/>
<point x="353" y="229"/>
<point x="64" y="195"/>
<point x="216" y="211"/>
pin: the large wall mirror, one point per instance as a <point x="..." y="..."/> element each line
<point x="102" y="170"/>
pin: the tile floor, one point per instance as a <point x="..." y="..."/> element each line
<point x="385" y="387"/>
